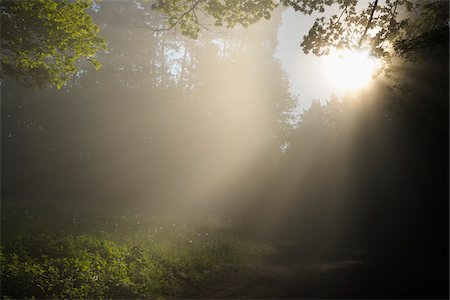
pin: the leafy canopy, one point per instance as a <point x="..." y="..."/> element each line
<point x="42" y="40"/>
<point x="387" y="28"/>
<point x="189" y="16"/>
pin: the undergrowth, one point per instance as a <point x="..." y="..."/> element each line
<point x="146" y="261"/>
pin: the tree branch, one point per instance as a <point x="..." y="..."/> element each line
<point x="194" y="5"/>
<point x="368" y="23"/>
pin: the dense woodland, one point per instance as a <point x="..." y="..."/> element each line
<point x="113" y="180"/>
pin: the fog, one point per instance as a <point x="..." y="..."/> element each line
<point x="348" y="195"/>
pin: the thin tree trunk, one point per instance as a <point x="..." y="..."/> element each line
<point x="183" y="66"/>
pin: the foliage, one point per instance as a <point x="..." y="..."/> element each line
<point x="118" y="264"/>
<point x="427" y="34"/>
<point x="71" y="267"/>
<point x="378" y="27"/>
<point x="42" y="40"/>
<point x="188" y="15"/>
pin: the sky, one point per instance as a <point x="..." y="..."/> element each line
<point x="308" y="76"/>
<point x="304" y="71"/>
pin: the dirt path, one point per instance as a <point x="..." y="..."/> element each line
<point x="291" y="271"/>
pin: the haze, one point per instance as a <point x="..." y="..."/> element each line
<point x="230" y="166"/>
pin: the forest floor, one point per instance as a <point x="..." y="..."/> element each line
<point x="70" y="253"/>
<point x="290" y="270"/>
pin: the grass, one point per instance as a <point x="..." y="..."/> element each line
<point x="128" y="256"/>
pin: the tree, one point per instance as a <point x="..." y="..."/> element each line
<point x="43" y="40"/>
<point x="427" y="34"/>
<point x="379" y="27"/>
<point x="190" y="15"/>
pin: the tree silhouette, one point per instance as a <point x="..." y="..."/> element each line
<point x="376" y="27"/>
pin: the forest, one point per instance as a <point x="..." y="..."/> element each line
<point x="155" y="149"/>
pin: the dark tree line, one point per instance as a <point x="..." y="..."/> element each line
<point x="167" y="117"/>
<point x="161" y="109"/>
<point x="369" y="172"/>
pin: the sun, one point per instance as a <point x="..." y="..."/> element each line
<point x="349" y="70"/>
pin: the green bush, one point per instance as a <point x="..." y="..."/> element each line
<point x="171" y="264"/>
<point x="71" y="267"/>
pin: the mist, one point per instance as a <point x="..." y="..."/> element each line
<point x="193" y="162"/>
